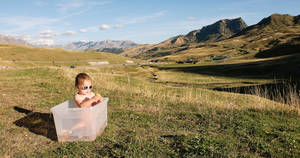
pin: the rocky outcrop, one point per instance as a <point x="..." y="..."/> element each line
<point x="220" y="30"/>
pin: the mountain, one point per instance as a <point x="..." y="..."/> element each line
<point x="82" y="46"/>
<point x="108" y="50"/>
<point x="220" y="30"/>
<point x="12" y="40"/>
<point x="49" y="46"/>
<point x="271" y="23"/>
<point x="217" y="31"/>
<point x="273" y="36"/>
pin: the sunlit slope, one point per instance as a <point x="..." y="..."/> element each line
<point x="24" y="53"/>
<point x="277" y="35"/>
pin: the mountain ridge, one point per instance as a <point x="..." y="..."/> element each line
<point x="217" y="31"/>
<point x="273" y="22"/>
<point x="75" y="46"/>
<point x="221" y="29"/>
<point x="12" y="40"/>
<point x="278" y="33"/>
<point x="81" y="46"/>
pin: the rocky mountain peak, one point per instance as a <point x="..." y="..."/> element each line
<point x="271" y="23"/>
<point x="220" y="30"/>
<point x="12" y="40"/>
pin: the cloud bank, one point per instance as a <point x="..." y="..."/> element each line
<point x="82" y="30"/>
<point x="104" y="27"/>
<point x="69" y="33"/>
<point x="48" y="34"/>
<point x="119" y="26"/>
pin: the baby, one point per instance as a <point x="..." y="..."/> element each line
<point x="84" y="98"/>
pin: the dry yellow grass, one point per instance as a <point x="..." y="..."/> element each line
<point x="24" y="56"/>
<point x="39" y="89"/>
<point x="166" y="94"/>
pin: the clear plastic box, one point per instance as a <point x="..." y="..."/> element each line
<point x="91" y="121"/>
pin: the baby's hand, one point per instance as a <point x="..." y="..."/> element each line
<point x="100" y="97"/>
<point x="95" y="98"/>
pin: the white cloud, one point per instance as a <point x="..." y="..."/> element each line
<point x="42" y="38"/>
<point x="69" y="33"/>
<point x="104" y="27"/>
<point x="27" y="39"/>
<point x="142" y="26"/>
<point x="93" y="29"/>
<point x="119" y="26"/>
<point x="48" y="34"/>
<point x="191" y="18"/>
<point x="82" y="30"/>
<point x="43" y="42"/>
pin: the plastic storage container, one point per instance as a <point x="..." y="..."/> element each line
<point x="89" y="122"/>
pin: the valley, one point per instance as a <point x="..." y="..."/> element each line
<point x="243" y="106"/>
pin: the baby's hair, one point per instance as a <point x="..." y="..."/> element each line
<point x="80" y="78"/>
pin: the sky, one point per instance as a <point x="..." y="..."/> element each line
<point x="59" y="22"/>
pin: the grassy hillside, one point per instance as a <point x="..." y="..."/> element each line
<point x="25" y="56"/>
<point x="276" y="35"/>
<point x="267" y="44"/>
<point x="151" y="113"/>
<point x="132" y="51"/>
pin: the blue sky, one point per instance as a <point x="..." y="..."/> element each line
<point x="142" y="21"/>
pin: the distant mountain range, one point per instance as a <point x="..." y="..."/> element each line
<point x="82" y="46"/>
<point x="76" y="46"/>
<point x="90" y="46"/>
<point x="12" y="40"/>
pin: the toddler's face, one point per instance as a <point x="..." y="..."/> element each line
<point x="82" y="90"/>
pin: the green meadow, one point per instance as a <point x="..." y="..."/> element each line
<point x="159" y="111"/>
<point x="30" y="57"/>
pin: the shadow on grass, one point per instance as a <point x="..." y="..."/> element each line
<point x="37" y="123"/>
<point x="285" y="67"/>
<point x="292" y="47"/>
<point x="279" y="92"/>
<point x="203" y="85"/>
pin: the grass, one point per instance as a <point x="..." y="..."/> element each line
<point x="26" y="57"/>
<point x="146" y="117"/>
